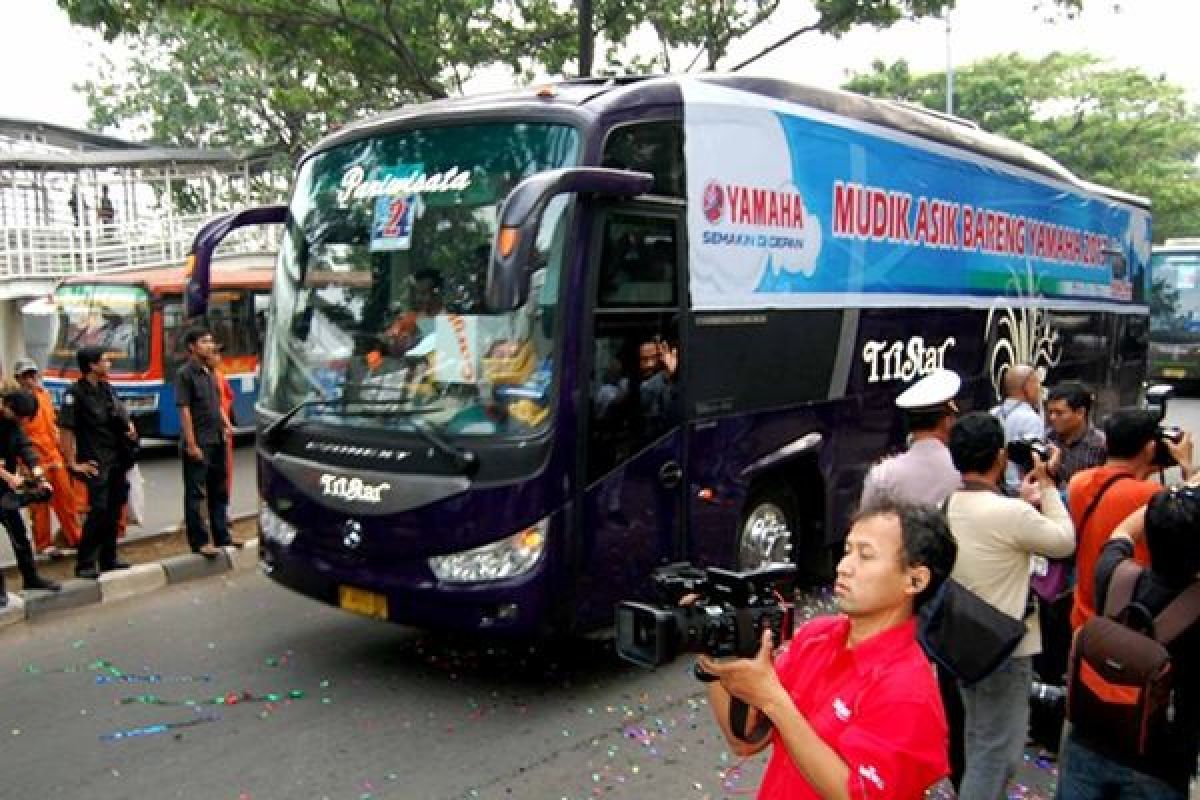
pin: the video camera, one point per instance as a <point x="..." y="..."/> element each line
<point x="1021" y="451"/>
<point x="1156" y="401"/>
<point x="30" y="490"/>
<point x="727" y="619"/>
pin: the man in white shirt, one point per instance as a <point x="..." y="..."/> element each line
<point x="997" y="536"/>
<point x="925" y="473"/>
<point x="1019" y="411"/>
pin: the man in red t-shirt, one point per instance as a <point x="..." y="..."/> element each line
<point x="853" y="702"/>
<point x="1132" y="436"/>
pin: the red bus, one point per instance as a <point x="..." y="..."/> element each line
<point x="137" y="315"/>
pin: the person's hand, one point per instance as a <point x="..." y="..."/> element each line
<point x="669" y="356"/>
<point x="131" y="432"/>
<point x="194" y="452"/>
<point x="1031" y="489"/>
<point x="88" y="468"/>
<point x="11" y="478"/>
<point x="1041" y="471"/>
<point x="751" y="680"/>
<point x="1055" y="461"/>
<point x="1182" y="452"/>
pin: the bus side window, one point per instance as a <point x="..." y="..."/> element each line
<point x="638" y="262"/>
<point x="634" y="394"/>
<point x="654" y="147"/>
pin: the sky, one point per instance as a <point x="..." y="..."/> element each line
<point x="1157" y="36"/>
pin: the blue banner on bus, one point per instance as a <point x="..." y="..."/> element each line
<point x="810" y="208"/>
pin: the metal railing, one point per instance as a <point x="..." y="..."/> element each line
<point x="59" y="251"/>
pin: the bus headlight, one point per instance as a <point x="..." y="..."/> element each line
<point x="507" y="558"/>
<point x="274" y="528"/>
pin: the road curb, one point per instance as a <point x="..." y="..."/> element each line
<point x="123" y="584"/>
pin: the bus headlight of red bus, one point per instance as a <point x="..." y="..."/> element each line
<point x="274" y="528"/>
<point x="514" y="555"/>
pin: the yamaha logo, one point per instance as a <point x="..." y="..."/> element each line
<point x="714" y="202"/>
<point x="351" y="534"/>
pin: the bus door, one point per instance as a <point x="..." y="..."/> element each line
<point x="633" y="459"/>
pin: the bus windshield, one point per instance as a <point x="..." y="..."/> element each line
<point x="1175" y="298"/>
<point x="114" y="317"/>
<point x="378" y="290"/>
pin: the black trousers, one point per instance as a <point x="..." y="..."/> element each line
<point x="206" y="483"/>
<point x="107" y="493"/>
<point x="19" y="536"/>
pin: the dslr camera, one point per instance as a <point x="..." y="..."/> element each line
<point x="1021" y="451"/>
<point x="31" y="490"/>
<point x="728" y="618"/>
<point x="1156" y="401"/>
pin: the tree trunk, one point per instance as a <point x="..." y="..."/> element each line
<point x="587" y="38"/>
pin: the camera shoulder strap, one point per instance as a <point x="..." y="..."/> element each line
<point x="1087" y="514"/>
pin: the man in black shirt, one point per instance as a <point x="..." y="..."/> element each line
<point x="15" y="447"/>
<point x="1170" y="523"/>
<point x="96" y="436"/>
<point x="203" y="428"/>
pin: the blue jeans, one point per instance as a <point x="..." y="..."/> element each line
<point x="995" y="722"/>
<point x="1087" y="775"/>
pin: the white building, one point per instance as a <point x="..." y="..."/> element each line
<point x="74" y="202"/>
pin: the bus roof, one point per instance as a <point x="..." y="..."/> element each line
<point x="592" y="97"/>
<point x="254" y="272"/>
<point x="1188" y="244"/>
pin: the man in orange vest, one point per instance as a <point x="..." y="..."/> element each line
<point x="42" y="431"/>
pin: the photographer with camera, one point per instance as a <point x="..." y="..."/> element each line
<point x="1019" y="413"/>
<point x="853" y="701"/>
<point x="17" y="490"/>
<point x="1101" y="497"/>
<point x="1102" y="758"/>
<point x="997" y="537"/>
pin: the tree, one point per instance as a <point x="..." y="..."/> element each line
<point x="282" y="70"/>
<point x="1115" y="126"/>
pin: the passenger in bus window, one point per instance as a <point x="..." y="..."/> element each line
<point x="658" y="363"/>
<point x="424" y="304"/>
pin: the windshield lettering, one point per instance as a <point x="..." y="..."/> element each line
<point x="395" y="181"/>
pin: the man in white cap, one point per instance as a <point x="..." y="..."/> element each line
<point x="924" y="474"/>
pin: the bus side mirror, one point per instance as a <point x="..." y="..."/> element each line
<point x="509" y="267"/>
<point x="210" y="235"/>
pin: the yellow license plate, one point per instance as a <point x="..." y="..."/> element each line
<point x="360" y="601"/>
<point x="1175" y="373"/>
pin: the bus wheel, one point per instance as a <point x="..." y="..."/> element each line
<point x="766" y="535"/>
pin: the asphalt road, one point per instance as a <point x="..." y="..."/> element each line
<point x="385" y="712"/>
<point x="329" y="705"/>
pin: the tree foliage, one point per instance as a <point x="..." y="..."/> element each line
<point x="253" y="72"/>
<point x="1115" y="126"/>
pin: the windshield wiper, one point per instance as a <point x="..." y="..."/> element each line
<point x="464" y="460"/>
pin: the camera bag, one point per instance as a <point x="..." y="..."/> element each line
<point x="1119" y="682"/>
<point x="966" y="635"/>
<point x="963" y="633"/>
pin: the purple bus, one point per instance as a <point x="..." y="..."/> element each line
<point x="524" y="348"/>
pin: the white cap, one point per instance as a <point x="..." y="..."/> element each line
<point x="935" y="389"/>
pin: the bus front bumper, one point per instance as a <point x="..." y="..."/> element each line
<point x="408" y="595"/>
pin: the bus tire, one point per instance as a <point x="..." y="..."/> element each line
<point x="769" y="529"/>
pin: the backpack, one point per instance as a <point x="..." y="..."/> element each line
<point x="1119" y="683"/>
